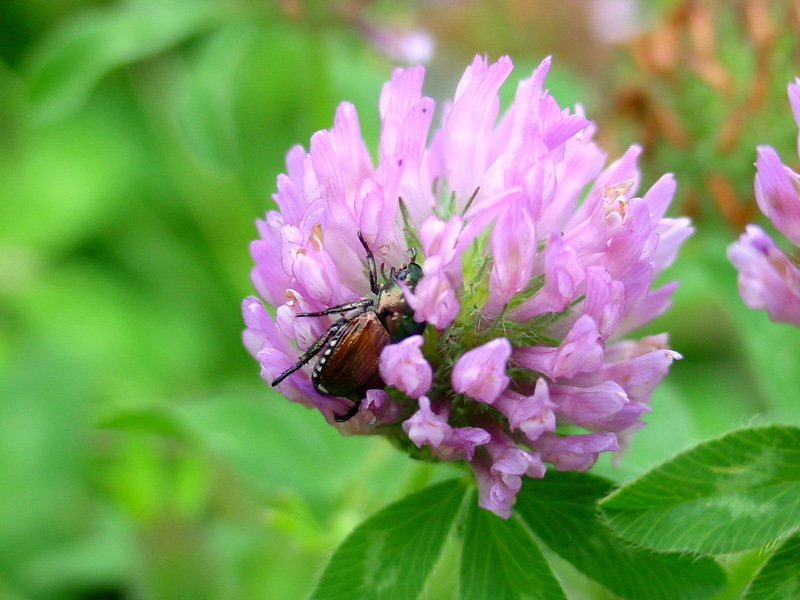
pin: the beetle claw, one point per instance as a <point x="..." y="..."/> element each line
<point x="349" y="414"/>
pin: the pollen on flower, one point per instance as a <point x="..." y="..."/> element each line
<point x="462" y="292"/>
<point x="615" y="199"/>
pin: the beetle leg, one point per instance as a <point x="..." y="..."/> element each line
<point x="373" y="272"/>
<point x="311" y="352"/>
<point x="349" y="413"/>
<point x="364" y="302"/>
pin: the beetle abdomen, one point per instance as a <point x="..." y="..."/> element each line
<point x="348" y="366"/>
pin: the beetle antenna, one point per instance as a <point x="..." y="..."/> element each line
<point x="413" y="252"/>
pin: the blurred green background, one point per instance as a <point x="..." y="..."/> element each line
<point x="141" y="456"/>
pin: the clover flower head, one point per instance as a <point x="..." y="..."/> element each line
<point x="768" y="280"/>
<point x="504" y="287"/>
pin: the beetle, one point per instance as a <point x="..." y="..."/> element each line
<point x="351" y="347"/>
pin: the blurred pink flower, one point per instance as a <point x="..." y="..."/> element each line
<point x="768" y="280"/>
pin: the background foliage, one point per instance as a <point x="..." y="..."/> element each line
<point x="141" y="456"/>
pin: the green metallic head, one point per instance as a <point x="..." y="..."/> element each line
<point x="393" y="309"/>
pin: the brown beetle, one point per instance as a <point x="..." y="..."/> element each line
<point x="351" y="347"/>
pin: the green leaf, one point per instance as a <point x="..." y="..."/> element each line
<point x="561" y="510"/>
<point x="274" y="442"/>
<point x="46" y="501"/>
<point x="76" y="56"/>
<point x="208" y="96"/>
<point x="157" y="419"/>
<point x="779" y="577"/>
<point x="735" y="492"/>
<point x="500" y="560"/>
<point x="391" y="554"/>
